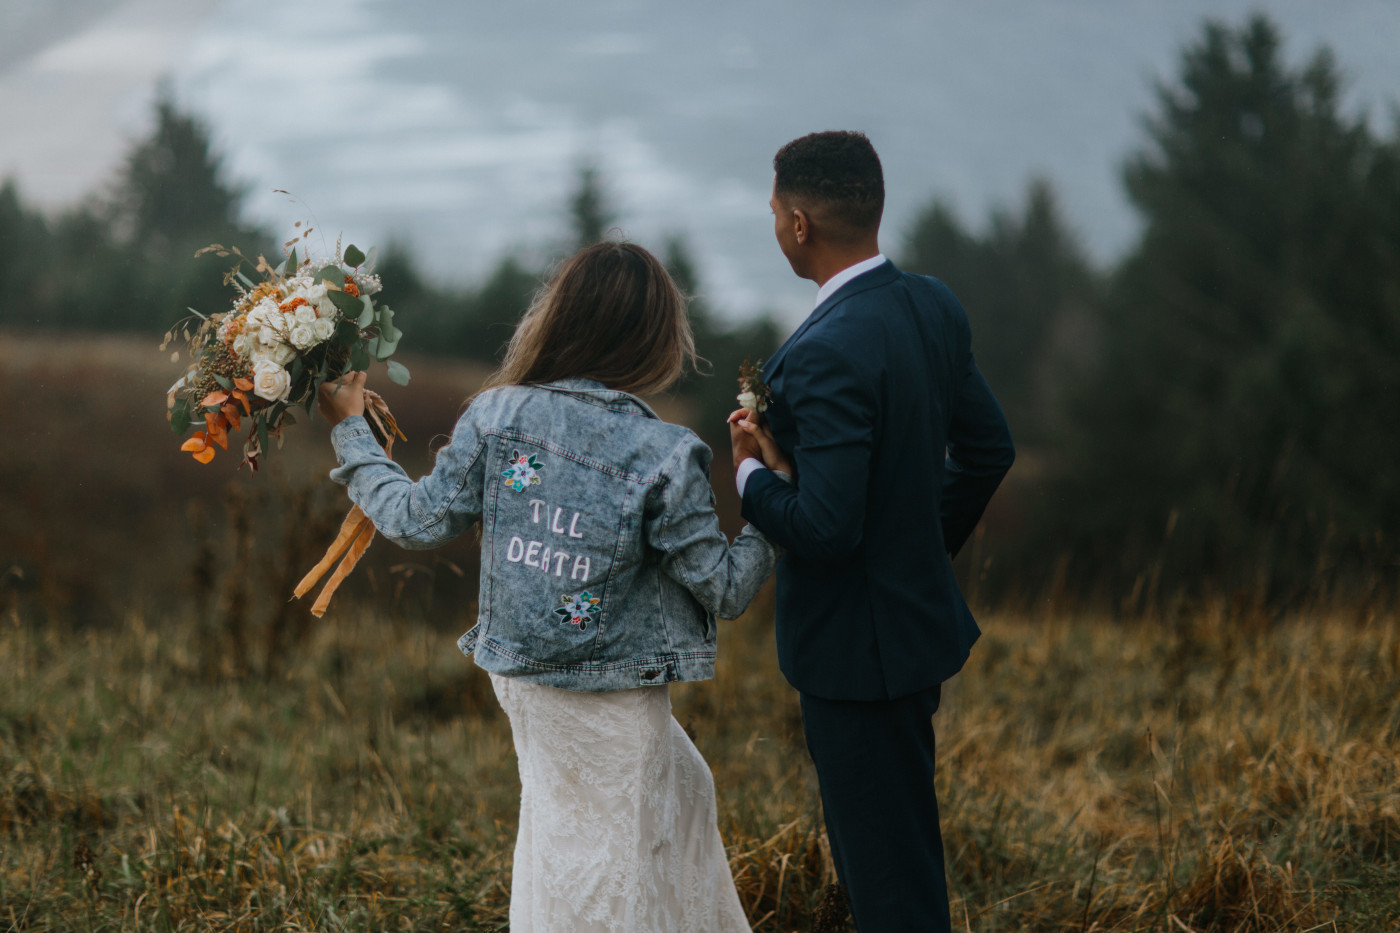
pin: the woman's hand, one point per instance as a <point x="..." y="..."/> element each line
<point x="342" y="398"/>
<point x="749" y="437"/>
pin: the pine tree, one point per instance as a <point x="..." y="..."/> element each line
<point x="1027" y="288"/>
<point x="1241" y="425"/>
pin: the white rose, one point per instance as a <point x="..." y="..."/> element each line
<point x="271" y="381"/>
<point x="241" y="344"/>
<point x="303" y="336"/>
<point x="306" y="314"/>
<point x="265" y="313"/>
<point x="279" y="353"/>
<point x="272" y="328"/>
<point x="323" y="329"/>
<point x="323" y="303"/>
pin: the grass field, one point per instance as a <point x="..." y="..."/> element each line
<point x="181" y="749"/>
<point x="1205" y="774"/>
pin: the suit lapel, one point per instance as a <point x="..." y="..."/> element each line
<point x="880" y="275"/>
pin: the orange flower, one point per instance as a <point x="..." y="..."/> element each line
<point x="265" y="290"/>
<point x="235" y="327"/>
<point x="351" y="288"/>
<point x="287" y="307"/>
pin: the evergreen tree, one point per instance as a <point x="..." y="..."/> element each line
<point x="590" y="214"/>
<point x="172" y="191"/>
<point x="1241" y="425"/>
<point x="25" y="248"/>
<point x="1028" y="289"/>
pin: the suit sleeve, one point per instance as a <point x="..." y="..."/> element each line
<point x="834" y="410"/>
<point x="979" y="454"/>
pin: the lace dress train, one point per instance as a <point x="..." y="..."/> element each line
<point x="618" y="828"/>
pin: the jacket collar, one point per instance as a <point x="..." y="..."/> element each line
<point x="882" y="274"/>
<point x="595" y="393"/>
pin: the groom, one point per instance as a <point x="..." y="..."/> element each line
<point x="897" y="444"/>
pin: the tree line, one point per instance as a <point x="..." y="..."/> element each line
<point x="1217" y="412"/>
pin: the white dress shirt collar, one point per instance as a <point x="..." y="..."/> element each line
<point x="846" y="274"/>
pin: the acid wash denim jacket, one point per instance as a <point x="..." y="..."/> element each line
<point x="602" y="562"/>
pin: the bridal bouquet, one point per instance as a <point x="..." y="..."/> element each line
<point x="299" y="324"/>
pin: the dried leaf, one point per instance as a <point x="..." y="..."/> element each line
<point x="230" y="411"/>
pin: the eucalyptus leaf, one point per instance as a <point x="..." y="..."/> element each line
<point x="386" y="325"/>
<point x="346" y="303"/>
<point x="371" y="258"/>
<point x="180" y="416"/>
<point x="353" y="256"/>
<point x="359" y="357"/>
<point x="292" y="264"/>
<point x="247" y="282"/>
<point x="398" y="372"/>
<point x="385" y="349"/>
<point x="262" y="433"/>
<point x="224" y="382"/>
<point x="330" y="273"/>
<point x="346" y="333"/>
<point x="366" y="312"/>
<point x="372" y="346"/>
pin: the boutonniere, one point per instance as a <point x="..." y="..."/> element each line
<point x="754" y="394"/>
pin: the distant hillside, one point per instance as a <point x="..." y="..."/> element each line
<point x="101" y="509"/>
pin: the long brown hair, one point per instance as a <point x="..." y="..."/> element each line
<point x="612" y="313"/>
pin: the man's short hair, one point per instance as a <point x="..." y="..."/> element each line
<point x="836" y="170"/>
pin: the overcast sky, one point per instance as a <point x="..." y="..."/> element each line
<point x="458" y="126"/>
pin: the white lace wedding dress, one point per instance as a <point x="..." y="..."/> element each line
<point x="617" y="817"/>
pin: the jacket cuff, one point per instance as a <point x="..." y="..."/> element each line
<point x="353" y="440"/>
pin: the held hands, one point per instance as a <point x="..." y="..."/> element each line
<point x="750" y="438"/>
<point x="342" y="398"/>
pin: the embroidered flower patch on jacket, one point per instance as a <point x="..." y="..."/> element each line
<point x="578" y="610"/>
<point x="523" y="471"/>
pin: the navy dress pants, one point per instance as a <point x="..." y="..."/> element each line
<point x="875" y="763"/>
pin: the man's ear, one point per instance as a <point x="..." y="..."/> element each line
<point x="801" y="224"/>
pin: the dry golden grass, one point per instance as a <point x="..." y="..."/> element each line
<point x="1204" y="775"/>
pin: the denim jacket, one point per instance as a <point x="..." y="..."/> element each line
<point x="602" y="562"/>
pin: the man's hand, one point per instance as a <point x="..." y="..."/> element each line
<point x="343" y="398"/>
<point x="750" y="438"/>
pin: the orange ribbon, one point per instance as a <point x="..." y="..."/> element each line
<point x="357" y="531"/>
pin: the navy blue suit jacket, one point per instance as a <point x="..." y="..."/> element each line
<point x="898" y="444"/>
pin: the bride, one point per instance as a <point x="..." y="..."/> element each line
<point x="603" y="568"/>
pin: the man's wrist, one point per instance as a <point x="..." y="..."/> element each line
<point x="745" y="470"/>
